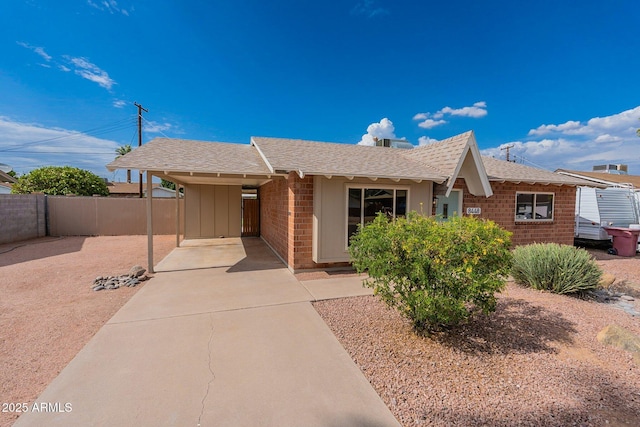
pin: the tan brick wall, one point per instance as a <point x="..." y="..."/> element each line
<point x="274" y="203"/>
<point x="501" y="208"/>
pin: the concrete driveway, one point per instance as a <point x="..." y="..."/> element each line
<point x="223" y="335"/>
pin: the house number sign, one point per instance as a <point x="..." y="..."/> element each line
<point x="474" y="211"/>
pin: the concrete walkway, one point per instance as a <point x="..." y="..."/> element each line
<point x="223" y="335"/>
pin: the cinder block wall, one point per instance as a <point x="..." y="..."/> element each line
<point x="501" y="208"/>
<point x="22" y="217"/>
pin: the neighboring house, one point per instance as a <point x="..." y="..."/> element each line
<point x="606" y="178"/>
<point x="132" y="189"/>
<point x="5" y="188"/>
<point x="312" y="195"/>
<point x="6" y="181"/>
<point x="162" y="192"/>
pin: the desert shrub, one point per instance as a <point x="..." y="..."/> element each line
<point x="557" y="268"/>
<point x="437" y="274"/>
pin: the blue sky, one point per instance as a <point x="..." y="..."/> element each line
<point x="557" y="79"/>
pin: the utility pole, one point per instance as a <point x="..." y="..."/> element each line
<point x="140" y="110"/>
<point x="508" y="147"/>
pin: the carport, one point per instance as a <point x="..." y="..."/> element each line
<point x="213" y="177"/>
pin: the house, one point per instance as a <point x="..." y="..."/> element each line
<point x="132" y="189"/>
<point x="606" y="177"/>
<point x="6" y="181"/>
<point x="312" y="195"/>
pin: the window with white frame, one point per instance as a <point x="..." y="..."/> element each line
<point x="534" y="206"/>
<point x="363" y="205"/>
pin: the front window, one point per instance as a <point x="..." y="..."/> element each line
<point x="365" y="203"/>
<point x="534" y="206"/>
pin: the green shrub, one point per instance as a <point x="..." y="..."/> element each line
<point x="557" y="268"/>
<point x="61" y="180"/>
<point x="437" y="274"/>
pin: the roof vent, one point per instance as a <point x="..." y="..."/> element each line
<point x="392" y="143"/>
<point x="612" y="169"/>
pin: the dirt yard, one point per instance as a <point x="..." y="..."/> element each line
<point x="48" y="310"/>
<point x="535" y="362"/>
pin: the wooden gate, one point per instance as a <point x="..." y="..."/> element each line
<point x="250" y="217"/>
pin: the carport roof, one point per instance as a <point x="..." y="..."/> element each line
<point x="182" y="155"/>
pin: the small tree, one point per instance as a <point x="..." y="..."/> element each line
<point x="167" y="184"/>
<point x="61" y="180"/>
<point x="437" y="274"/>
<point x="121" y="151"/>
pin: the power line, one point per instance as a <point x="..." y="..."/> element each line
<point x="100" y="130"/>
<point x="158" y="131"/>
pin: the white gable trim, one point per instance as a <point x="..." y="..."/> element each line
<point x="479" y="172"/>
<point x="262" y="156"/>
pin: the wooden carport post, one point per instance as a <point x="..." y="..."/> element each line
<point x="177" y="215"/>
<point x="149" y="223"/>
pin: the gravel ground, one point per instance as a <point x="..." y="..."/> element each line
<point x="48" y="311"/>
<point x="535" y="361"/>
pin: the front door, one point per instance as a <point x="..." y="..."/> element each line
<point x="449" y="206"/>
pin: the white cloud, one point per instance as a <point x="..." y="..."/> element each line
<point x="119" y="103"/>
<point x="110" y="6"/>
<point x="431" y="120"/>
<point x="87" y="70"/>
<point x="369" y="8"/>
<point x="383" y="129"/>
<point x="64" y="68"/>
<point x="581" y="145"/>
<point x="425" y="140"/>
<point x="154" y="127"/>
<point x="570" y="126"/>
<point x="477" y="110"/>
<point x="39" y="50"/>
<point x="26" y="146"/>
<point x="430" y="123"/>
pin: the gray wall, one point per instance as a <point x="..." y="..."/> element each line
<point x="22" y="217"/>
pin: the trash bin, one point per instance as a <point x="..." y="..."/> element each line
<point x="636" y="227"/>
<point x="625" y="240"/>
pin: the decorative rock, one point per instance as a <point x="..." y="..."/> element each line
<point x="621" y="338"/>
<point x="132" y="279"/>
<point x="607" y="280"/>
<point x="136" y="271"/>
<point x="627" y="298"/>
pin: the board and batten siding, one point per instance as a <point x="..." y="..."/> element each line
<point x="330" y="211"/>
<point x="213" y="211"/>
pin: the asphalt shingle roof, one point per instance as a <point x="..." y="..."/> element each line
<point x="443" y="155"/>
<point x="325" y="158"/>
<point x="606" y="177"/>
<point x="181" y="155"/>
<point x="501" y="170"/>
<point x="266" y="156"/>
